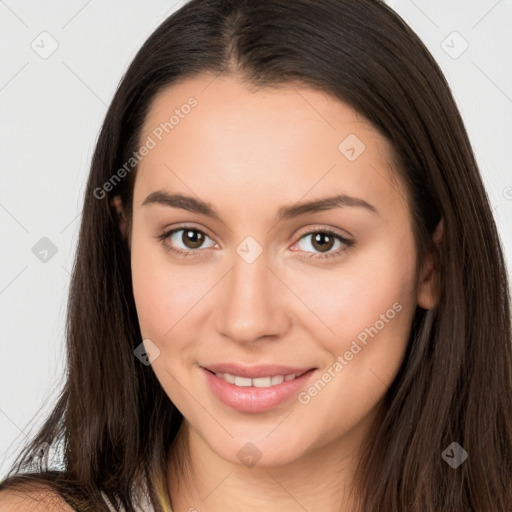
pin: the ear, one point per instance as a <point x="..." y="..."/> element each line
<point x="117" y="203"/>
<point x="428" y="284"/>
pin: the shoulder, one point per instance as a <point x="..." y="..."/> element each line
<point x="35" y="499"/>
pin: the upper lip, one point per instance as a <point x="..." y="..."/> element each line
<point x="255" y="371"/>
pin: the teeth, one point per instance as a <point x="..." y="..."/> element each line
<point x="228" y="377"/>
<point x="243" y="381"/>
<point x="278" y="379"/>
<point x="262" y="382"/>
<point x="259" y="382"/>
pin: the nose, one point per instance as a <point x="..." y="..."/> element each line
<point x="252" y="302"/>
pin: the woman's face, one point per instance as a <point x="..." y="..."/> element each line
<point x="273" y="277"/>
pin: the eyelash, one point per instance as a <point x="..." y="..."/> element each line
<point x="313" y="255"/>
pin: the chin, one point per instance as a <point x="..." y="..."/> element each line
<point x="258" y="450"/>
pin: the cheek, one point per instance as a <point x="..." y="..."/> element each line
<point x="369" y="307"/>
<point x="167" y="295"/>
<point x="158" y="289"/>
<point x="149" y="290"/>
<point x="164" y="299"/>
<point x="366" y="289"/>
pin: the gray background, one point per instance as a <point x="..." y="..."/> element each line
<point x="51" y="109"/>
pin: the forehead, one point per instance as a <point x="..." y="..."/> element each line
<point x="244" y="107"/>
<point x="218" y="133"/>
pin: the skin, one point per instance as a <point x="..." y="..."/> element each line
<point x="249" y="152"/>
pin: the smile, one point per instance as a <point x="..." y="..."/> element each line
<point x="255" y="389"/>
<point x="258" y="382"/>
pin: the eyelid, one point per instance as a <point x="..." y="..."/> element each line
<point x="306" y="231"/>
<point x="318" y="228"/>
<point x="303" y="231"/>
<point x="345" y="244"/>
<point x="188" y="225"/>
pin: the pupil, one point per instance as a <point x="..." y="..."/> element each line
<point x="194" y="240"/>
<point x="318" y="244"/>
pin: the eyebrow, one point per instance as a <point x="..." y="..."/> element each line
<point x="191" y="204"/>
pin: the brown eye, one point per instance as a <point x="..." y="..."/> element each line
<point x="192" y="238"/>
<point x="322" y="242"/>
<point x="185" y="241"/>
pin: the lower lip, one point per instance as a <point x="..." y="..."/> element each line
<point x="251" y="398"/>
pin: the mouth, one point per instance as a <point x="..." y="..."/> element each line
<point x="257" y="388"/>
<point x="257" y="382"/>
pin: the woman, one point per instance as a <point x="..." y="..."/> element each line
<point x="289" y="291"/>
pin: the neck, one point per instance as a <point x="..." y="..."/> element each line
<point x="319" y="481"/>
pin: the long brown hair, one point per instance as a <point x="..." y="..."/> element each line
<point x="113" y="422"/>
